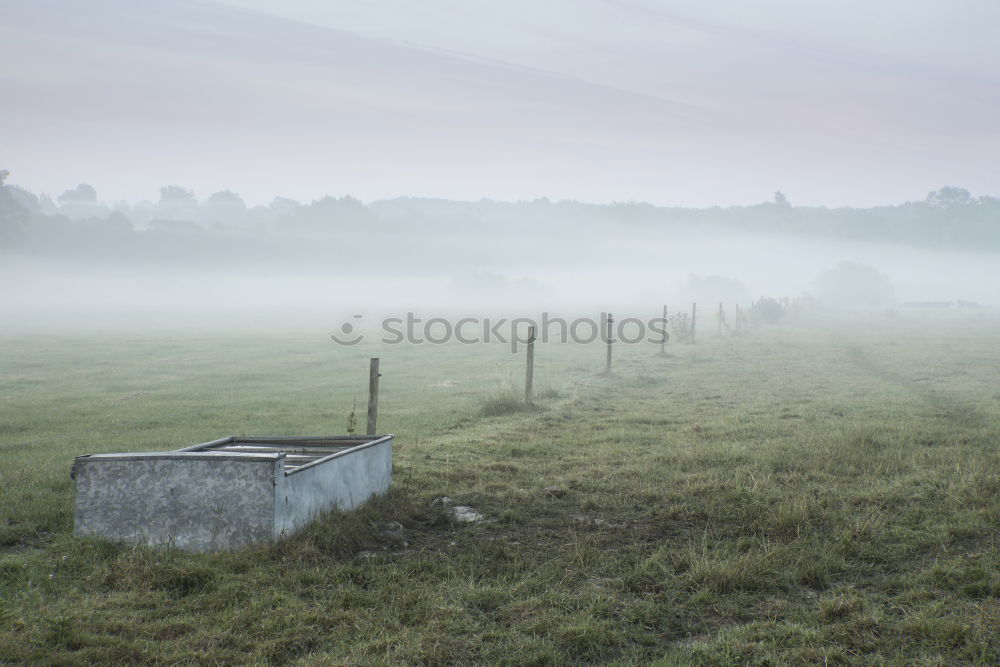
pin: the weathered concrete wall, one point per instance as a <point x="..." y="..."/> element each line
<point x="344" y="482"/>
<point x="197" y="501"/>
<point x="215" y="496"/>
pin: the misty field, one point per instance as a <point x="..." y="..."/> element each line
<point x="825" y="494"/>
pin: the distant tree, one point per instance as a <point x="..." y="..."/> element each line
<point x="780" y="200"/>
<point x="629" y="211"/>
<point x="80" y="203"/>
<point x="331" y="213"/>
<point x="25" y="198"/>
<point x="950" y="217"/>
<point x="176" y="203"/>
<point x="283" y="205"/>
<point x="13" y="216"/>
<point x="175" y="194"/>
<point x="82" y="193"/>
<point x="224" y="207"/>
<point x="948" y="197"/>
<point x="854" y="284"/>
<point x="767" y="310"/>
<point x="225" y="197"/>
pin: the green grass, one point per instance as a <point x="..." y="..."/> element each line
<point x="824" y="495"/>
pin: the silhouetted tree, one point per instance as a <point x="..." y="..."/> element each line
<point x="224" y="207"/>
<point x="81" y="193"/>
<point x="948" y="197"/>
<point x="284" y="206"/>
<point x="767" y="310"/>
<point x="175" y="194"/>
<point x="177" y="203"/>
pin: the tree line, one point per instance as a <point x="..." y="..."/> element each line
<point x="950" y="217"/>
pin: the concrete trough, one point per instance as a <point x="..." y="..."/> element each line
<point x="229" y="493"/>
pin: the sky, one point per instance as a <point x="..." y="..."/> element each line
<point x="678" y="103"/>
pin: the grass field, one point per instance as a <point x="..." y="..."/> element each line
<point x="823" y="494"/>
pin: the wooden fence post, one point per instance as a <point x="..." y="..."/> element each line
<point x="694" y="315"/>
<point x="373" y="376"/>
<point x="611" y="332"/>
<point x="529" y="373"/>
<point x="663" y="341"/>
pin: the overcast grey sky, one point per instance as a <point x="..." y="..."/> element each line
<point x="683" y="102"/>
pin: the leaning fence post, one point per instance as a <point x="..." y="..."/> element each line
<point x="373" y="376"/>
<point x="529" y="373"/>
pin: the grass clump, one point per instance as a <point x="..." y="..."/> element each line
<point x="504" y="399"/>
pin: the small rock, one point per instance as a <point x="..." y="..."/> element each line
<point x="589" y="522"/>
<point x="442" y="501"/>
<point x="465" y="514"/>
